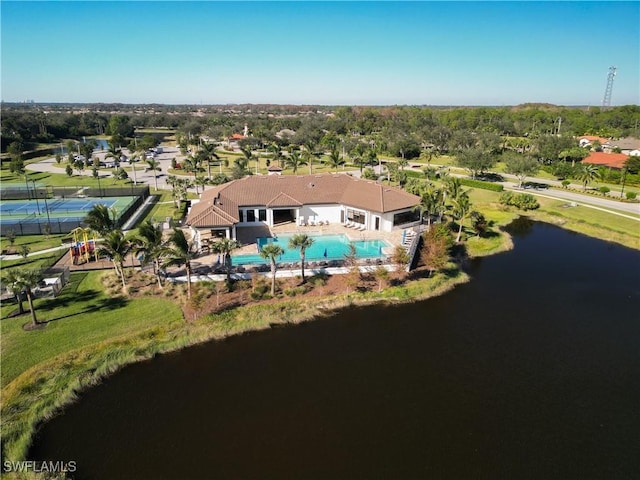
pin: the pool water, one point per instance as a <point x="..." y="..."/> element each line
<point x="325" y="247"/>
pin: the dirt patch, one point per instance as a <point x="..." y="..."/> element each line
<point x="28" y="327"/>
<point x="214" y="297"/>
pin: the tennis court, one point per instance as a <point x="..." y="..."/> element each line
<point x="58" y="210"/>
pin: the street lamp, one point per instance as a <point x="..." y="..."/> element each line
<point x="35" y="194"/>
<point x="26" y="182"/>
<point x="99" y="187"/>
<point x="46" y="207"/>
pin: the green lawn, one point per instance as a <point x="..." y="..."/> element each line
<point x="35" y="242"/>
<point x="83" y="314"/>
<point x="589" y="221"/>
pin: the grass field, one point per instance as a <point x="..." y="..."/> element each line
<point x="82" y="315"/>
<point x="580" y="219"/>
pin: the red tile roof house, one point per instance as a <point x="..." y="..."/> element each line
<point x="613" y="160"/>
<point x="268" y="200"/>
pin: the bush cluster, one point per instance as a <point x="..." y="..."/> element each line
<point x="523" y="201"/>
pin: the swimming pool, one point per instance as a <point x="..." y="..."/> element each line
<point x="325" y="247"/>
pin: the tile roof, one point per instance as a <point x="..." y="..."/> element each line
<point x="219" y="206"/>
<point x="615" y="160"/>
<point x="593" y="138"/>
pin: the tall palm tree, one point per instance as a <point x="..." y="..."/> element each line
<point x="276" y="150"/>
<point x="114" y="152"/>
<point x="301" y="241"/>
<point x="182" y="252"/>
<point x="309" y="154"/>
<point x="116" y="246"/>
<point x="335" y="160"/>
<point x="224" y="247"/>
<point x="101" y="219"/>
<point x="461" y="208"/>
<point x="248" y="156"/>
<point x="587" y="173"/>
<point x="200" y="181"/>
<point x="208" y="154"/>
<point x="429" y="203"/>
<point x="154" y="166"/>
<point x="271" y="252"/>
<point x="150" y="244"/>
<point x="293" y="161"/>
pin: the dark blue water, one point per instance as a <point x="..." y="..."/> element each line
<point x="530" y="371"/>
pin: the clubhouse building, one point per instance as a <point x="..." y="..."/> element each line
<point x="323" y="199"/>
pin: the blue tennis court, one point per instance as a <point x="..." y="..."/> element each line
<point x="63" y="209"/>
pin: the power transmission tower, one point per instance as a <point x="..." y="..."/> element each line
<point x="606" y="101"/>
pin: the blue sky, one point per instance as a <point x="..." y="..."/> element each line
<point x="374" y="53"/>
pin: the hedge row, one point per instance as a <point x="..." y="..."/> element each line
<point x="495" y="187"/>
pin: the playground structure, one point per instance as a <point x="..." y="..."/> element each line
<point x="83" y="247"/>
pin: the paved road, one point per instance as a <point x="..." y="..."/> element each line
<point x="560" y="193"/>
<point x="50" y="165"/>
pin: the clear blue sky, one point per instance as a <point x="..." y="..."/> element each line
<point x="376" y="53"/>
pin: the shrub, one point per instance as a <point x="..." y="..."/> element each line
<point x="604" y="190"/>
<point x="523" y="201"/>
<point x="566" y="183"/>
<point x="495" y="187"/>
<point x="631" y="195"/>
<point x="318" y="280"/>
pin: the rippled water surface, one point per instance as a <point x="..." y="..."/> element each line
<point x="531" y="370"/>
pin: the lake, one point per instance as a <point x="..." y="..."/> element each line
<point x="530" y="371"/>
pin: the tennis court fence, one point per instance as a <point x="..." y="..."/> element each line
<point x="21" y="192"/>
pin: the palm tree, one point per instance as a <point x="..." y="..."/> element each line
<point x="21" y="281"/>
<point x="154" y="166"/>
<point x="309" y="154"/>
<point x="208" y="154"/>
<point x="271" y="252"/>
<point x="276" y="150"/>
<point x="101" y="219"/>
<point x="224" y="247"/>
<point x="200" y="181"/>
<point x="587" y="173"/>
<point x="335" y="160"/>
<point x="248" y="156"/>
<point x="182" y="253"/>
<point x="461" y="209"/>
<point x="294" y="161"/>
<point x="116" y="246"/>
<point x="301" y="241"/>
<point x="12" y="282"/>
<point x="429" y="203"/>
<point x="149" y="243"/>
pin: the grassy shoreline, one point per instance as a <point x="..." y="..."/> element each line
<point x="39" y="393"/>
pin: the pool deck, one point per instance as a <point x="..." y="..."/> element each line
<point x="247" y="235"/>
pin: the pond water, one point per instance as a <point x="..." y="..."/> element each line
<point x="531" y="370"/>
<point x="101" y="144"/>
